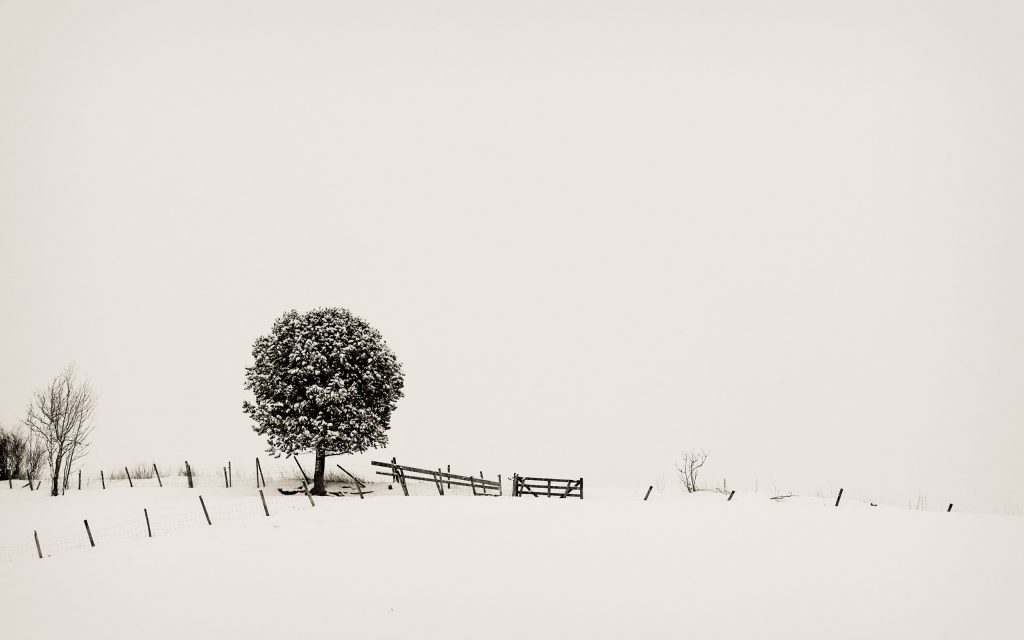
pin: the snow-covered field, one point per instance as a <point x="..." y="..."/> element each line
<point x="609" y="566"/>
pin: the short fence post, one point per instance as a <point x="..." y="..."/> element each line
<point x="839" y="497"/>
<point x="264" y="501"/>
<point x="92" y="543"/>
<point x="102" y="481"/>
<point x="731" y="494"/>
<point x="39" y="549"/>
<point x="130" y="485"/>
<point x="437" y="480"/>
<point x="79" y="479"/>
<point x="950" y="508"/>
<point x="149" y="530"/>
<point x="581" y="488"/>
<point x="483" y="482"/>
<point x="449" y="476"/>
<point x="188" y="472"/>
<point x="231" y="476"/>
<point x="157" y="472"/>
<point x="501" y="491"/>
<point x="205" y="512"/>
<point x="225" y="477"/>
<point x="648" y="494"/>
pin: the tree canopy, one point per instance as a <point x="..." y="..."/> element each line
<point x="324" y="382"/>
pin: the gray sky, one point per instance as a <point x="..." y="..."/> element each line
<point x="595" y="233"/>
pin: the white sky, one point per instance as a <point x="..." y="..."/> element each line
<point x="595" y="233"/>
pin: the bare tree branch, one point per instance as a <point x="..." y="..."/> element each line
<point x="693" y="460"/>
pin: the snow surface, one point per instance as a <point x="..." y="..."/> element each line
<point x="609" y="566"/>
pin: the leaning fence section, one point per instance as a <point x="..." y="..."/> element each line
<point x="403" y="474"/>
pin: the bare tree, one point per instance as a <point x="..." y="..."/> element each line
<point x="60" y="417"/>
<point x="693" y="460"/>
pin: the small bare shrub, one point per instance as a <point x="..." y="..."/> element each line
<point x="693" y="460"/>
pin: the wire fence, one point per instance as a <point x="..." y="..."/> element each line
<point x="104" y="531"/>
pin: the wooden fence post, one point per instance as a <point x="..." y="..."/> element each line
<point x="188" y="472"/>
<point x="92" y="543"/>
<point x="305" y="478"/>
<point x="359" y="485"/>
<point x="648" y="494"/>
<point x="731" y="494"/>
<point x="581" y="488"/>
<point x="157" y="472"/>
<point x="259" y="468"/>
<point x="79" y="479"/>
<point x="438" y="482"/>
<point x="205" y="512"/>
<point x="102" y="481"/>
<point x="225" y="477"/>
<point x="149" y="530"/>
<point x="39" y="549"/>
<point x="483" y="483"/>
<point x="308" y="494"/>
<point x="231" y="476"/>
<point x="400" y="475"/>
<point x="449" y="476"/>
<point x="264" y="501"/>
<point x="950" y="508"/>
<point x="840" y="496"/>
<point x="501" y="491"/>
<point x="130" y="485"/>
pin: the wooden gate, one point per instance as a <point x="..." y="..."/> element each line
<point x="549" y="487"/>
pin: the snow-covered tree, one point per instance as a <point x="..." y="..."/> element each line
<point x="325" y="382"/>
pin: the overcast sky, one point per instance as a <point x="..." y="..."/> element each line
<point x="595" y="233"/>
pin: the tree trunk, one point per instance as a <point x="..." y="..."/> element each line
<point x="54" y="490"/>
<point x="319" y="487"/>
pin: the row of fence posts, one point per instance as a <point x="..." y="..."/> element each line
<point x="149" y="529"/>
<point x="733" y="492"/>
<point x="228" y="477"/>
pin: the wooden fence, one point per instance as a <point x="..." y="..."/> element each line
<point x="400" y="474"/>
<point x="550" y="487"/>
